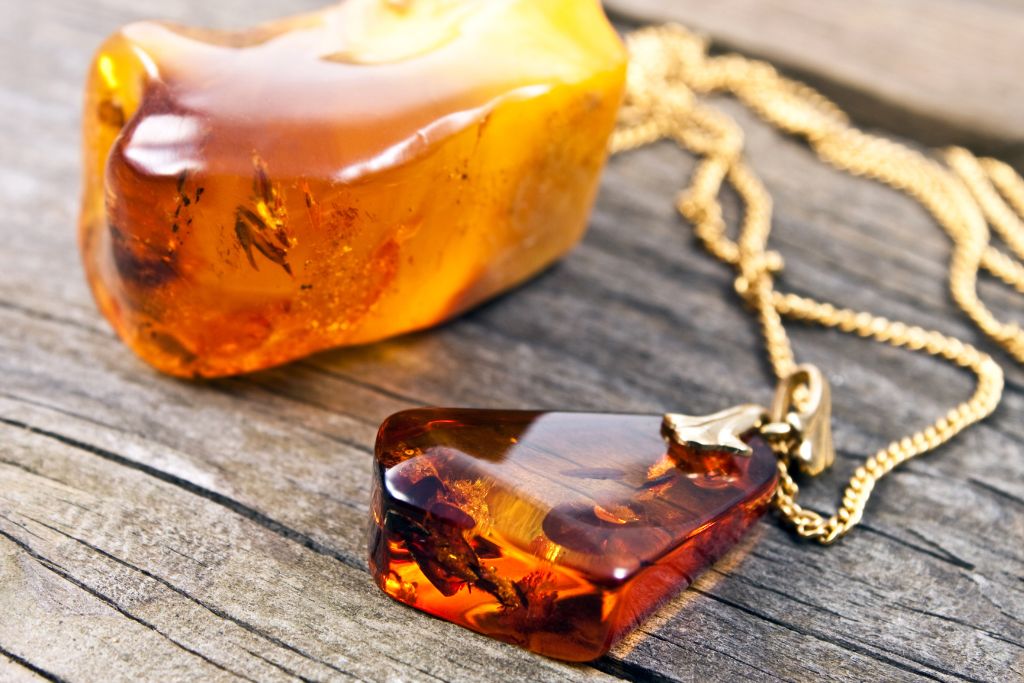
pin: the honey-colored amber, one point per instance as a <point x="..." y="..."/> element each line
<point x="554" y="531"/>
<point x="338" y="177"/>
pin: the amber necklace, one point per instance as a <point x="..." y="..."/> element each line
<point x="559" y="531"/>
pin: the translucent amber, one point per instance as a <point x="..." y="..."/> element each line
<point x="554" y="531"/>
<point x="338" y="177"/>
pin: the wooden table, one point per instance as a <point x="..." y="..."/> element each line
<point x="165" y="530"/>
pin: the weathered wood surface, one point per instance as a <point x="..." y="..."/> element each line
<point x="163" y="530"/>
<point x="943" y="71"/>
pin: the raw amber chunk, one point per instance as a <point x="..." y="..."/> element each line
<point x="338" y="177"/>
<point x="554" y="531"/>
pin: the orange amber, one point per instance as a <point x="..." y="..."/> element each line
<point x="338" y="177"/>
<point x="554" y="531"/>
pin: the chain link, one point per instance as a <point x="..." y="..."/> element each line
<point x="669" y="69"/>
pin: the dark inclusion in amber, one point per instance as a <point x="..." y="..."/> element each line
<point x="554" y="531"/>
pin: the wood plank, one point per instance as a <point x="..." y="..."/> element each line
<point x="268" y="474"/>
<point x="943" y="72"/>
<point x="223" y="417"/>
<point x="17" y="670"/>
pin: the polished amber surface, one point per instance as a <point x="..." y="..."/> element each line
<point x="554" y="531"/>
<point x="339" y="177"/>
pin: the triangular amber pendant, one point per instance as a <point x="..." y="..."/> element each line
<point x="554" y="531"/>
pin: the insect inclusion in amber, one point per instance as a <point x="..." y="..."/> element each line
<point x="339" y="177"/>
<point x="557" y="532"/>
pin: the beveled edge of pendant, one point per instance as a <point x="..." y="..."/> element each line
<point x="721" y="431"/>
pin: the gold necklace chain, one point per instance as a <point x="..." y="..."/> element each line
<point x="669" y="68"/>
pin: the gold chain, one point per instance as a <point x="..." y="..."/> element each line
<point x="669" y="68"/>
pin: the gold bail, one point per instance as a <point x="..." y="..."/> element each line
<point x="721" y="431"/>
<point x="808" y="416"/>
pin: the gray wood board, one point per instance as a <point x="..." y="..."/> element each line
<point x="941" y="71"/>
<point x="166" y="530"/>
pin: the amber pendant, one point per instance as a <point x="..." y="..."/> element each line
<point x="554" y="531"/>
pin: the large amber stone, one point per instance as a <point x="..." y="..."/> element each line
<point x="338" y="177"/>
<point x="554" y="531"/>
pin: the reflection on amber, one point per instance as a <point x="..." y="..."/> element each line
<point x="554" y="531"/>
<point x="338" y="177"/>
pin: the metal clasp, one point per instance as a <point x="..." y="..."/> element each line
<point x="800" y="420"/>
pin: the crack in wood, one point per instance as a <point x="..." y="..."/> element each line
<point x="280" y="667"/>
<point x="961" y="622"/>
<point x="1005" y="495"/>
<point x="939" y="554"/>
<point x="217" y="612"/>
<point x="336" y="374"/>
<point x="843" y="643"/>
<point x="46" y="316"/>
<point x="277" y="391"/>
<point x="34" y="668"/>
<point x="57" y="570"/>
<point x="629" y="671"/>
<point x="88" y="419"/>
<point x="220" y="499"/>
<point x="781" y="593"/>
<point x="705" y="645"/>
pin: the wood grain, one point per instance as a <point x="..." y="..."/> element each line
<point x="165" y="530"/>
<point x="940" y="71"/>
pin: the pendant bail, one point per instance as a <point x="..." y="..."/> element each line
<point x="801" y="419"/>
<point x="721" y="431"/>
